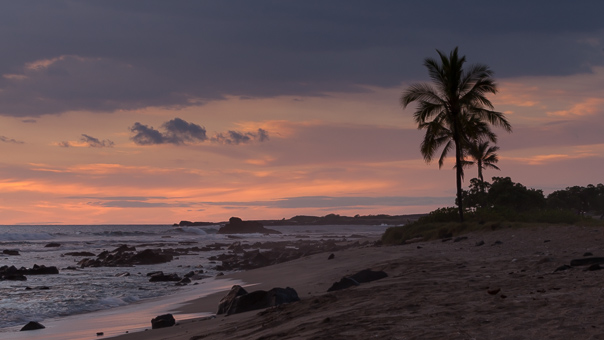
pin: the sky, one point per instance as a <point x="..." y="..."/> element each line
<point x="127" y="112"/>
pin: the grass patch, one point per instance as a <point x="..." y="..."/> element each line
<point x="441" y="223"/>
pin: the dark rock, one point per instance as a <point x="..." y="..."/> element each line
<point x="587" y="261"/>
<point x="79" y="253"/>
<point x="32" y="325"/>
<point x="496" y="243"/>
<point x="13" y="277"/>
<point x="594" y="267"/>
<point x="562" y="268"/>
<point x="262" y="299"/>
<point x="368" y="275"/>
<point x="479" y="243"/>
<point x="331" y="256"/>
<point x="52" y="245"/>
<point x="238" y="226"/>
<point x="344" y="283"/>
<point x="162" y="321"/>
<point x="460" y="238"/>
<point x="123" y="248"/>
<point x="588" y="254"/>
<point x="11" y="252"/>
<point x="227" y="301"/>
<point x="164" y="278"/>
<point x="148" y="256"/>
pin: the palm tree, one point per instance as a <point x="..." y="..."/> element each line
<point x="454" y="109"/>
<point x="483" y="155"/>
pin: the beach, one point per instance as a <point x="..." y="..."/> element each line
<point x="504" y="284"/>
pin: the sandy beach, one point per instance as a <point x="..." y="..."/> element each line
<point x="506" y="288"/>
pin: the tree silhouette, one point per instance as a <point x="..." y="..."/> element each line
<point x="453" y="108"/>
<point x="484" y="156"/>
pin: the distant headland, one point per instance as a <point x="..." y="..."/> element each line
<point x="331" y="219"/>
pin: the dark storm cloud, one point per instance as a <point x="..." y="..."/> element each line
<point x="90" y="141"/>
<point x="105" y="56"/>
<point x="95" y="142"/>
<point x="10" y="140"/>
<point x="177" y="131"/>
<point x="237" y="137"/>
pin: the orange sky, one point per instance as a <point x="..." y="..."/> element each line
<point x="260" y="110"/>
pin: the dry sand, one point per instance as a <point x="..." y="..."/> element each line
<point x="434" y="290"/>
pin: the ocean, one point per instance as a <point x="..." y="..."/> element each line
<point x="77" y="291"/>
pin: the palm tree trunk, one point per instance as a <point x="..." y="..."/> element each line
<point x="458" y="167"/>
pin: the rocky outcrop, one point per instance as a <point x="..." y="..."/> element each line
<point x="247" y="256"/>
<point x="238" y="301"/>
<point x="79" y="253"/>
<point x="32" y="325"/>
<point x="161" y="277"/>
<point x="227" y="301"/>
<point x="18" y="274"/>
<point x="238" y="226"/>
<point x="11" y="252"/>
<point x="363" y="276"/>
<point x="162" y="321"/>
<point x="125" y="256"/>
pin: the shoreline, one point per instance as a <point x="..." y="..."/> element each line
<point x="508" y="287"/>
<point x="499" y="284"/>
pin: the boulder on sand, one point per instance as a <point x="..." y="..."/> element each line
<point x="32" y="325"/>
<point x="227" y="301"/>
<point x="238" y="226"/>
<point x="363" y="276"/>
<point x="162" y="321"/>
<point x="261" y="299"/>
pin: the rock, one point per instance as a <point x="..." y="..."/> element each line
<point x="262" y="299"/>
<point x="479" y="243"/>
<point x="124" y="274"/>
<point x="79" y="253"/>
<point x="162" y="321"/>
<point x="123" y="248"/>
<point x="148" y="256"/>
<point x="238" y="226"/>
<point x="13" y="277"/>
<point x="588" y="254"/>
<point x="52" y="245"/>
<point x="363" y="276"/>
<point x="493" y="291"/>
<point x="331" y="256"/>
<point x="460" y="238"/>
<point x="496" y="243"/>
<point x="32" y="325"/>
<point x="11" y="252"/>
<point x="164" y="278"/>
<point x="344" y="283"/>
<point x="368" y="275"/>
<point x="562" y="268"/>
<point x="594" y="267"/>
<point x="227" y="301"/>
<point x="587" y="261"/>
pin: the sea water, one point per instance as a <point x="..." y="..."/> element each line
<point x="78" y="290"/>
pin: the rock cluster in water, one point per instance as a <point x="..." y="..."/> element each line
<point x="18" y="274"/>
<point x="238" y="226"/>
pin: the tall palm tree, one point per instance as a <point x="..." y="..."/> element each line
<point x="484" y="156"/>
<point x="453" y="109"/>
